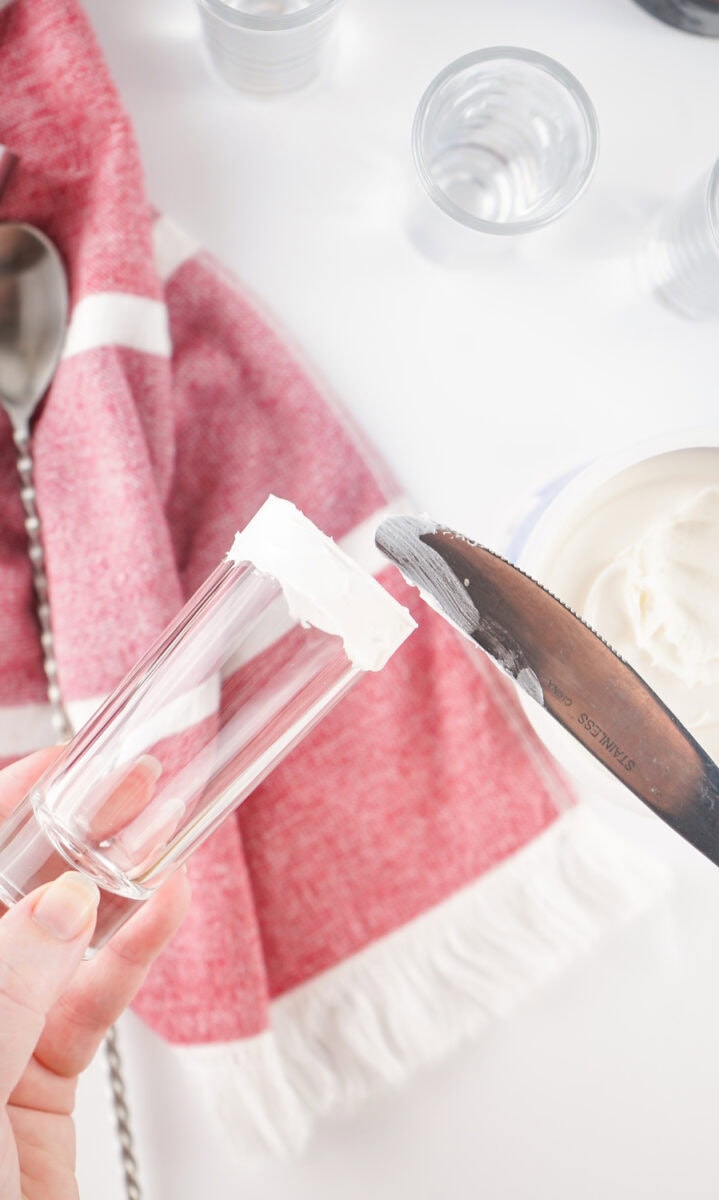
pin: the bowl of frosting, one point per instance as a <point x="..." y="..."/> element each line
<point x="631" y="543"/>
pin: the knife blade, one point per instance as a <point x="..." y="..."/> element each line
<point x="565" y="666"/>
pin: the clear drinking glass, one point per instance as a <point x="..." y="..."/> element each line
<point x="694" y="16"/>
<point x="268" y="46"/>
<point x="246" y="669"/>
<point x="682" y="259"/>
<point x="504" y="141"/>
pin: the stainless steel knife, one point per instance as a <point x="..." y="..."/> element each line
<point x="567" y="668"/>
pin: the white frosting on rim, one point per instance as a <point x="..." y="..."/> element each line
<point x="322" y="585"/>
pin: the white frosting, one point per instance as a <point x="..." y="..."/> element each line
<point x="658" y="603"/>
<point x="639" y="559"/>
<point x="322" y="585"/>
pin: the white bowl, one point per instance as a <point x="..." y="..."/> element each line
<point x="559" y="530"/>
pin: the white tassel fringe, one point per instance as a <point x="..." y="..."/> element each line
<point x="418" y="992"/>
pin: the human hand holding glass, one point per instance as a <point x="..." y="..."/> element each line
<point x="276" y="635"/>
<point x="55" y="1009"/>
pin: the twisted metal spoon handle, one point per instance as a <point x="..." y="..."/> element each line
<point x="60" y="719"/>
<point x="63" y="728"/>
<point x="122" y="1115"/>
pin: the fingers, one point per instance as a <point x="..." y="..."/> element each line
<point x="42" y="941"/>
<point x="43" y="1009"/>
<point x="18" y="778"/>
<point x="120" y="796"/>
<point x="106" y="985"/>
<point x="118" y="799"/>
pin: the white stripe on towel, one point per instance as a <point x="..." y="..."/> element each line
<point x="118" y="319"/>
<point x="359" y="542"/>
<point x="172" y="247"/>
<point x="28" y="727"/>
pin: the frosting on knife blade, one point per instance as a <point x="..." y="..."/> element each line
<point x="416" y="545"/>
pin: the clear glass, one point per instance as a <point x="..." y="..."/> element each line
<point x="504" y="141"/>
<point x="694" y="16"/>
<point x="268" y="46"/>
<point x="222" y="696"/>
<point x="682" y="258"/>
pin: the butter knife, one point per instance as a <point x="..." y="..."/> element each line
<point x="567" y="668"/>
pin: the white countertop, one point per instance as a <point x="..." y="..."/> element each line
<point x="607" y="1083"/>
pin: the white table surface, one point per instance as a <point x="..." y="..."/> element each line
<point x="477" y="386"/>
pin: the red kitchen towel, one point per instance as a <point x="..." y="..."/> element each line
<point x="418" y="865"/>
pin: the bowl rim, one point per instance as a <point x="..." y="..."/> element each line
<point x="543" y="534"/>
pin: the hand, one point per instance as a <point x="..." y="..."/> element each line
<point x="55" y="1009"/>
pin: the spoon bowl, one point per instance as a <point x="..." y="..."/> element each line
<point x="33" y="318"/>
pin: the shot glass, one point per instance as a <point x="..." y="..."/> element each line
<point x="681" y="260"/>
<point x="277" y="634"/>
<point x="504" y="141"/>
<point x="268" y="46"/>
<point x="694" y="16"/>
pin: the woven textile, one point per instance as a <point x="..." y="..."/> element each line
<point x="418" y="864"/>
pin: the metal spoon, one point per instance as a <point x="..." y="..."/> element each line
<point x="33" y="318"/>
<point x="33" y="323"/>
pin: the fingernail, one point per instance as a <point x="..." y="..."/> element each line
<point x="65" y="908"/>
<point x="151" y="765"/>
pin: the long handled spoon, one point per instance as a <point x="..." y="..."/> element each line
<point x="33" y="322"/>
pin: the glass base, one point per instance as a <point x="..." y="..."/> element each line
<point x="29" y="859"/>
<point x="693" y="16"/>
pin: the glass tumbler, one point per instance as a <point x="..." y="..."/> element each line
<point x="504" y="141"/>
<point x="682" y="258"/>
<point x="694" y="16"/>
<point x="267" y="645"/>
<point x="268" y="46"/>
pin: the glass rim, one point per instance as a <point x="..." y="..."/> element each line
<point x="267" y="23"/>
<point x="711" y="198"/>
<point x="550" y="67"/>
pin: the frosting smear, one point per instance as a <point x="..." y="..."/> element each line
<point x="657" y="602"/>
<point x="322" y="585"/>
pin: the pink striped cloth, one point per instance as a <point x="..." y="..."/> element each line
<point x="418" y="865"/>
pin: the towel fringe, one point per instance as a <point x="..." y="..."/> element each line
<point x="419" y="992"/>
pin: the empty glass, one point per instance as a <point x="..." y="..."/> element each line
<point x="695" y="16"/>
<point x="268" y="46"/>
<point x="682" y="259"/>
<point x="247" y="668"/>
<point x="504" y="141"/>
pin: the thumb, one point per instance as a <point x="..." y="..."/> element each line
<point x="42" y="941"/>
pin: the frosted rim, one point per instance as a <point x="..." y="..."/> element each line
<point x="322" y="585"/>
